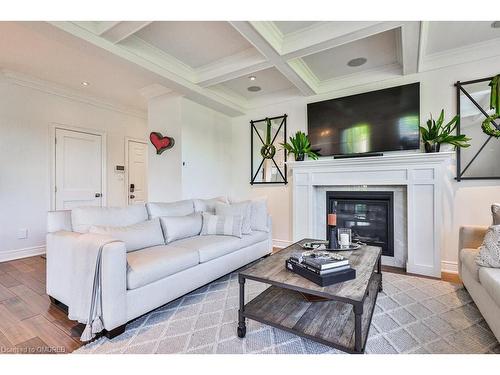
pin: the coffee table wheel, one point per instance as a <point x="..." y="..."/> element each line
<point x="242" y="331"/>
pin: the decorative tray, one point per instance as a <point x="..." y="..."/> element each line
<point x="319" y="245"/>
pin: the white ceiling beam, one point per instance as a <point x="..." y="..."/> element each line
<point x="410" y="46"/>
<point x="268" y="51"/>
<point x="122" y="30"/>
<point x="178" y="83"/>
<point x="231" y="67"/>
<point x="328" y="35"/>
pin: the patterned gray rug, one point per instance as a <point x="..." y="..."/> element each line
<point x="413" y="315"/>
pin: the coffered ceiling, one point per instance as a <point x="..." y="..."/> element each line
<point x="212" y="62"/>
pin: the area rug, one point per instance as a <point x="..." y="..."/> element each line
<point x="412" y="315"/>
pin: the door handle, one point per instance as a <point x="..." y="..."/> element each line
<point x="98" y="195"/>
<point x="132" y="188"/>
<point x="132" y="196"/>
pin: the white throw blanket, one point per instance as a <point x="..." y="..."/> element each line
<point x="86" y="293"/>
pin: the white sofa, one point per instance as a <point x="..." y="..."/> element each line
<point x="482" y="283"/>
<point x="136" y="282"/>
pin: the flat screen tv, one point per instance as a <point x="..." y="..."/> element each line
<point x="376" y="121"/>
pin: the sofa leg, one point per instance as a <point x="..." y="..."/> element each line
<point x="115" y="332"/>
<point x="58" y="304"/>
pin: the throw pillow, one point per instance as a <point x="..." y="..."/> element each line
<point x="258" y="216"/>
<point x="495" y="210"/>
<point x="222" y="225"/>
<point x="179" y="227"/>
<point x="489" y="252"/>
<point x="136" y="236"/>
<point x="242" y="209"/>
<point x="208" y="205"/>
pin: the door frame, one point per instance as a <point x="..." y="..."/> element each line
<point x="127" y="183"/>
<point x="52" y="159"/>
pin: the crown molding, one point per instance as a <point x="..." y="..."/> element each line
<point x="142" y="48"/>
<point x="270" y="32"/>
<point x="48" y="87"/>
<point x="461" y="55"/>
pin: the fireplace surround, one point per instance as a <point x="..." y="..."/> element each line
<point x="424" y="177"/>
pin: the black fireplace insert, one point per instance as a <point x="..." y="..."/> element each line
<point x="369" y="215"/>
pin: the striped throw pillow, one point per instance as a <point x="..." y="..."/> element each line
<point x="221" y="225"/>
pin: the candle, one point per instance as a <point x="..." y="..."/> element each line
<point x="332" y="219"/>
<point x="344" y="239"/>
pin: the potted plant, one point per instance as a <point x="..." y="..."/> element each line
<point x="300" y="146"/>
<point x="436" y="133"/>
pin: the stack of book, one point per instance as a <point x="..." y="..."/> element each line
<point x="321" y="267"/>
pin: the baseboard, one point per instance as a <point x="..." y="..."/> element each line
<point x="449" y="267"/>
<point x="21" y="253"/>
<point x="281" y="243"/>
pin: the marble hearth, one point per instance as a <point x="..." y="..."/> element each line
<point x="416" y="180"/>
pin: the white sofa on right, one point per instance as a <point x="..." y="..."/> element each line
<point x="136" y="282"/>
<point x="482" y="283"/>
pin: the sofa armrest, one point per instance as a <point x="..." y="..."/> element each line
<point x="60" y="249"/>
<point x="114" y="285"/>
<point x="471" y="236"/>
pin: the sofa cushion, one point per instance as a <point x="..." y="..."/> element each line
<point x="252" y="238"/>
<point x="155" y="263"/>
<point x="208" y="205"/>
<point x="258" y="214"/>
<point x="242" y="209"/>
<point x="221" y="225"/>
<point x="490" y="280"/>
<point x="82" y="218"/>
<point x="210" y="247"/>
<point x="179" y="227"/>
<point x="495" y="211"/>
<point x="179" y="208"/>
<point x="468" y="258"/>
<point x="136" y="236"/>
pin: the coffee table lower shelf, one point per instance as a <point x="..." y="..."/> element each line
<point x="328" y="322"/>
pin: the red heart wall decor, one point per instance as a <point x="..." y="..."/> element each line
<point x="160" y="142"/>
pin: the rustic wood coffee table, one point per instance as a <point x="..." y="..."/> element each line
<point x="342" y="316"/>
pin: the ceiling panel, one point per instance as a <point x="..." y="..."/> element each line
<point x="287" y="27"/>
<point x="195" y="43"/>
<point x="443" y="36"/>
<point x="269" y="80"/>
<point x="379" y="50"/>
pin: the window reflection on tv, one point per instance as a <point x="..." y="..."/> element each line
<point x="377" y="121"/>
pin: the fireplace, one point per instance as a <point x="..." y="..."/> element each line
<point x="369" y="214"/>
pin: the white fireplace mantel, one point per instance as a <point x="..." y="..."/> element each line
<point x="422" y="174"/>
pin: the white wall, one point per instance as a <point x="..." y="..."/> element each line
<point x="25" y="117"/>
<point x="164" y="170"/>
<point x="199" y="165"/>
<point x="467" y="202"/>
<point x="206" y="152"/>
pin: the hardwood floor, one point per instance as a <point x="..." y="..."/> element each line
<point x="29" y="323"/>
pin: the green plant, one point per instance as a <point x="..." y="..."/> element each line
<point x="437" y="133"/>
<point x="299" y="146"/>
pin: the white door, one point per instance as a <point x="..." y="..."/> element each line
<point x="137" y="172"/>
<point x="78" y="169"/>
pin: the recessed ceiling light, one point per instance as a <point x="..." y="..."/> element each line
<point x="252" y="78"/>
<point x="254" y="88"/>
<point x="357" y="61"/>
<point x="496" y="25"/>
<point x="85" y="83"/>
